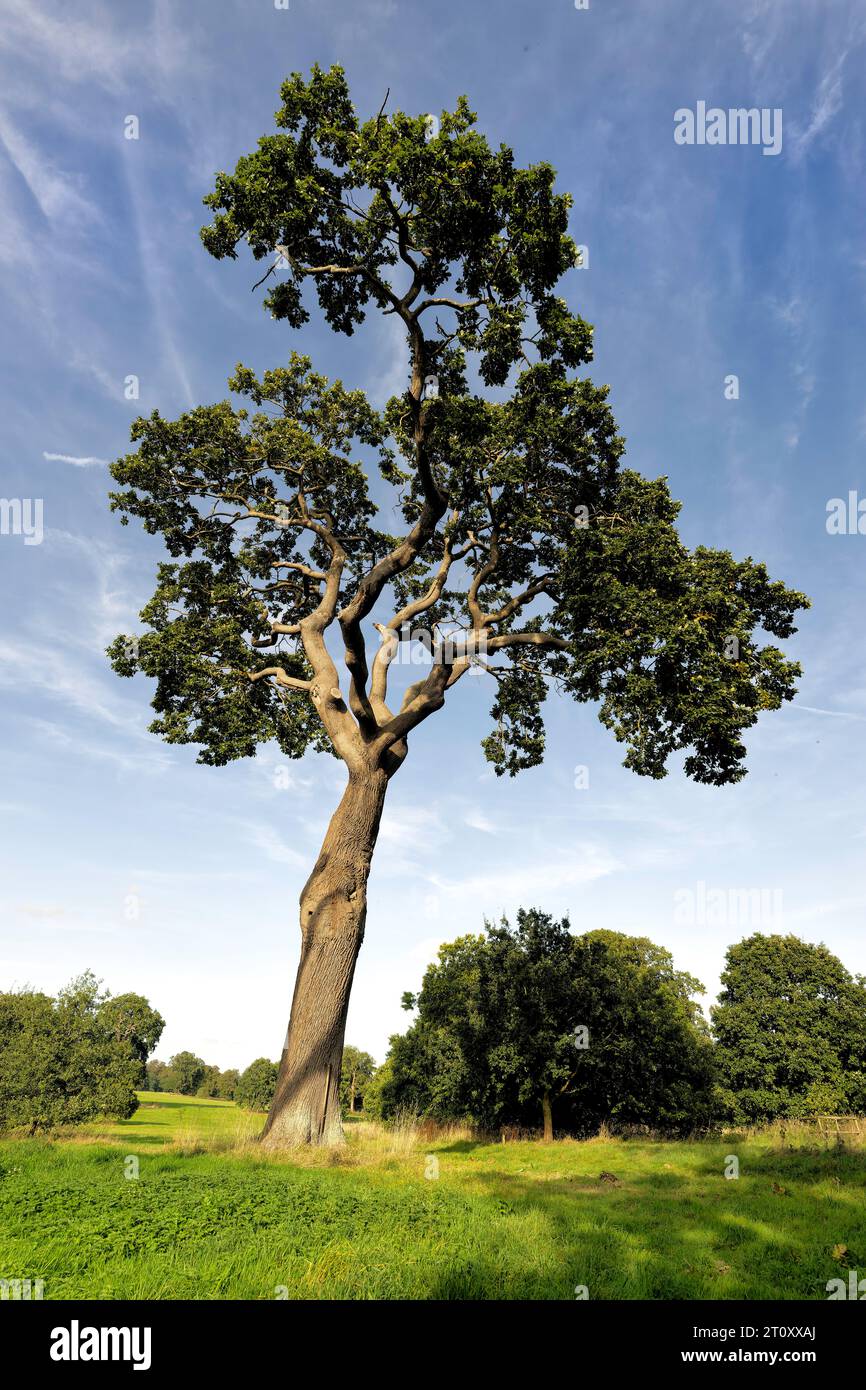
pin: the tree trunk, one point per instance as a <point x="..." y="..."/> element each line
<point x="306" y="1105"/>
<point x="547" y="1111"/>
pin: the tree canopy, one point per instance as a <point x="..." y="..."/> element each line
<point x="132" y="1020"/>
<point x="524" y="537"/>
<point x="530" y="1021"/>
<point x="74" y="1058"/>
<point x="255" y="1086"/>
<point x="357" y="1073"/>
<point x="790" y="1029"/>
<point x="184" y="1074"/>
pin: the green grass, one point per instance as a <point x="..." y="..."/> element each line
<point x="210" y="1216"/>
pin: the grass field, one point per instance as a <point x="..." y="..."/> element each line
<point x="210" y="1217"/>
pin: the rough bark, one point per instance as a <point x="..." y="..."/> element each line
<point x="306" y="1105"/>
<point x="547" y="1111"/>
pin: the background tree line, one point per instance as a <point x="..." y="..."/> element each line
<point x="253" y="1089"/>
<point x="531" y="1025"/>
<point x="527" y="1025"/>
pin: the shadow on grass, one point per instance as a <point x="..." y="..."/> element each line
<point x="670" y="1236"/>
<point x="117" y="1141"/>
<point x="806" y="1162"/>
<point x="464" y="1146"/>
<point x="173" y="1105"/>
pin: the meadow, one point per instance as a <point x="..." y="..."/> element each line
<point x="409" y="1213"/>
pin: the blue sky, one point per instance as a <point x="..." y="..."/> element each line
<point x="121" y="854"/>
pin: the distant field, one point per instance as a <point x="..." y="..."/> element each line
<point x="209" y="1217"/>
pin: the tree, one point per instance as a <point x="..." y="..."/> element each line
<point x="131" y="1020"/>
<point x="185" y="1073"/>
<point x="530" y="973"/>
<point x="209" y="1086"/>
<point x="790" y="1031"/>
<point x="377" y="1097"/>
<point x="530" y="1023"/>
<point x="67" y="1060"/>
<point x="227" y="1086"/>
<point x="525" y="550"/>
<point x="156" y="1074"/>
<point x="357" y="1073"/>
<point x="256" y="1086"/>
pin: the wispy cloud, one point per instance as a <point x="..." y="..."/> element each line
<point x="153" y="758"/>
<point x="833" y="713"/>
<point x="77" y="460"/>
<point x="57" y="194"/>
<point x="266" y="840"/>
<point x="827" y="104"/>
<point x="96" y="47"/>
<point x="525" y="883"/>
<point x="28" y="666"/>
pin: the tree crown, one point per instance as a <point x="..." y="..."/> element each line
<point x="526" y="550"/>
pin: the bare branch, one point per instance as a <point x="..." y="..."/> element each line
<point x="528" y="639"/>
<point x="281" y="678"/>
<point x="540" y="586"/>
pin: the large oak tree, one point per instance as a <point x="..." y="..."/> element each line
<point x="524" y="547"/>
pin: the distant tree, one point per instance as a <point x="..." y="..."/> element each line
<point x="209" y="1086"/>
<point x="358" y="1069"/>
<point x="64" y="1060"/>
<point x="228" y="1082"/>
<point x="131" y="1020"/>
<point x="255" y="1088"/>
<point x="155" y="1077"/>
<point x="790" y="1029"/>
<point x="185" y="1073"/>
<point x="378" y="1100"/>
<point x="506" y="523"/>
<point x="532" y="1023"/>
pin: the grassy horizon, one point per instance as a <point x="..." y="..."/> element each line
<point x="395" y="1214"/>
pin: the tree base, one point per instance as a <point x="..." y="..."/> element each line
<point x="301" y="1131"/>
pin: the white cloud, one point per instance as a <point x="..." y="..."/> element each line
<point x="78" y="461"/>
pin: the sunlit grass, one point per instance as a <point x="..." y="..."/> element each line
<point x="212" y="1216"/>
